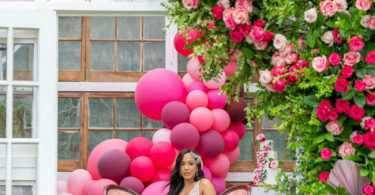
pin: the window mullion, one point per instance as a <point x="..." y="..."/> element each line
<point x="171" y="57"/>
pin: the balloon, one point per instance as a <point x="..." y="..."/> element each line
<point x="133" y="183"/>
<point x="97" y="152"/>
<point x="98" y="187"/>
<point x="236" y="109"/>
<point x="195" y="99"/>
<point x="231" y="140"/>
<point x="230" y="68"/>
<point x="114" y="165"/>
<point x="211" y="144"/>
<point x="216" y="82"/>
<point x="180" y="43"/>
<point x="221" y="120"/>
<point x="219" y="184"/>
<point x="207" y="173"/>
<point x="194" y="69"/>
<point x="162" y="135"/>
<point x="201" y="118"/>
<point x="155" y="89"/>
<point x="157" y="188"/>
<point x="62" y="186"/>
<point x="88" y="185"/>
<point x="142" y="168"/>
<point x="197" y="85"/>
<point x="174" y="113"/>
<point x="215" y="100"/>
<point x="77" y="179"/>
<point x="184" y="135"/>
<point x="162" y="155"/>
<point x="233" y="154"/>
<point x="161" y="175"/>
<point x="218" y="166"/>
<point x="239" y="128"/>
<point x="138" y="146"/>
<point x="187" y="79"/>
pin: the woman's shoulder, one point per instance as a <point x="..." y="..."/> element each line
<point x="205" y="181"/>
<point x="206" y="187"/>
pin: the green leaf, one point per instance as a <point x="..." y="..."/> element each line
<point x="372" y="154"/>
<point x="370" y="111"/>
<point x="349" y="95"/>
<point x="321" y="19"/>
<point x="281" y="164"/>
<point x="341" y="119"/>
<point x="371" y="72"/>
<point x="312" y="101"/>
<point x="319" y="139"/>
<point x="341" y="191"/>
<point x="259" y="62"/>
<point x="364" y="171"/>
<point x="361" y="73"/>
<point x="347" y="130"/>
<point x="310" y="39"/>
<point x="318" y="160"/>
<point x="354" y="158"/>
<point x="360" y="101"/>
<point x="329" y="137"/>
<point x="373" y="175"/>
<point x="331" y="189"/>
<point x="248" y="53"/>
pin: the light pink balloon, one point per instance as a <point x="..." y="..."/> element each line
<point x="88" y="185"/>
<point x="230" y="68"/>
<point x="218" y="166"/>
<point x="62" y="186"/>
<point x="231" y="140"/>
<point x="97" y="152"/>
<point x="207" y="173"/>
<point x="162" y="135"/>
<point x="156" y="188"/>
<point x="201" y="118"/>
<point x="216" y="82"/>
<point x="194" y="68"/>
<point x="221" y="120"/>
<point x="195" y="99"/>
<point x="219" y="184"/>
<point x="98" y="187"/>
<point x="187" y="79"/>
<point x="197" y="85"/>
<point x="233" y="155"/>
<point x="215" y="100"/>
<point x="77" y="179"/>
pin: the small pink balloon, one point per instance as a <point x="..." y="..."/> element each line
<point x="77" y="179"/>
<point x="219" y="184"/>
<point x="180" y="43"/>
<point x="142" y="168"/>
<point x="187" y="79"/>
<point x="98" y="187"/>
<point x="157" y="188"/>
<point x="218" y="166"/>
<point x="184" y="135"/>
<point x="138" y="146"/>
<point x="195" y="99"/>
<point x="207" y="173"/>
<point x="231" y="140"/>
<point x="215" y="100"/>
<point x="114" y="165"/>
<point x="162" y="155"/>
<point x="162" y="135"/>
<point x="239" y="128"/>
<point x="230" y="68"/>
<point x="197" y="85"/>
<point x="221" y="120"/>
<point x="161" y="175"/>
<point x="62" y="186"/>
<point x="211" y="144"/>
<point x="173" y="113"/>
<point x="133" y="183"/>
<point x="216" y="82"/>
<point x="201" y="118"/>
<point x="233" y="154"/>
<point x="88" y="185"/>
<point x="194" y="68"/>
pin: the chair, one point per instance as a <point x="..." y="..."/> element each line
<point x="238" y="190"/>
<point x="118" y="190"/>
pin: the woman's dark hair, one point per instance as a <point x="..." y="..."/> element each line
<point x="176" y="181"/>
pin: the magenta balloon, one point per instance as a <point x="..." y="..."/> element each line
<point x="114" y="165"/>
<point x="197" y="85"/>
<point x="201" y="118"/>
<point x="96" y="153"/>
<point x="218" y="166"/>
<point x="87" y="186"/>
<point x="239" y="128"/>
<point x="142" y="168"/>
<point x="155" y="89"/>
<point x="184" y="135"/>
<point x="230" y="68"/>
<point x="216" y="82"/>
<point x="207" y="173"/>
<point x="62" y="186"/>
<point x="98" y="187"/>
<point x="194" y="68"/>
<point x="196" y="98"/>
<point x="180" y="43"/>
<point x="233" y="154"/>
<point x="158" y="188"/>
<point x="215" y="100"/>
<point x="236" y="110"/>
<point x="77" y="179"/>
<point x="133" y="183"/>
<point x="161" y="175"/>
<point x="231" y="140"/>
<point x="219" y="184"/>
<point x="162" y="155"/>
<point x="174" y="113"/>
<point x="138" y="146"/>
<point x="221" y="120"/>
<point x="211" y="144"/>
<point x="187" y="79"/>
<point x="162" y="135"/>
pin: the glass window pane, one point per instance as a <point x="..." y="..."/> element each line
<point x="102" y="27"/>
<point x="96" y="137"/>
<point x="3" y="111"/>
<point x="151" y="124"/>
<point x="127" y="135"/>
<point x="3" y="160"/>
<point x="23" y="112"/>
<point x="154" y="55"/>
<point x="3" y="59"/>
<point x="129" y="56"/>
<point x="246" y="147"/>
<point x="22" y="190"/>
<point x="68" y="145"/>
<point x="102" y="56"/>
<point x="269" y="124"/>
<point x="24" y="159"/>
<point x="148" y="134"/>
<point x="69" y="55"/>
<point x="68" y="114"/>
<point x="70" y="27"/>
<point x="23" y="60"/>
<point x="279" y="143"/>
<point x="153" y="27"/>
<point x="182" y="63"/>
<point x="127" y="113"/>
<point x="129" y="27"/>
<point x="100" y="113"/>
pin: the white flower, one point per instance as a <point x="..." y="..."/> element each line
<point x="311" y="15"/>
<point x="365" y="21"/>
<point x="342" y="5"/>
<point x="279" y="42"/>
<point x="274" y="164"/>
<point x="265" y="77"/>
<point x="327" y="38"/>
<point x="320" y="64"/>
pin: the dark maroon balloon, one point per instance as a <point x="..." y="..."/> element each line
<point x="184" y="135"/>
<point x="239" y="128"/>
<point x="114" y="165"/>
<point x="175" y="113"/>
<point x="133" y="183"/>
<point x="211" y="144"/>
<point x="236" y="110"/>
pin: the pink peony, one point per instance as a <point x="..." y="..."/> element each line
<point x="356" y="112"/>
<point x="326" y="153"/>
<point x="370" y="99"/>
<point x="244" y="29"/>
<point x="320" y="64"/>
<point x="190" y="4"/>
<point x="224" y="4"/>
<point x="265" y="77"/>
<point x="217" y="12"/>
<point x="261" y="137"/>
<point x="342" y="85"/>
<point x="260" y="45"/>
<point x="322" y="113"/>
<point x="336" y="36"/>
<point x="334" y="59"/>
<point x="260" y="23"/>
<point x="367" y="122"/>
<point x="370" y="58"/>
<point x="279" y="86"/>
<point x="369" y="140"/>
<point x="342" y="5"/>
<point x="291" y="58"/>
<point x="358" y="139"/>
<point x="356" y="43"/>
<point x="351" y="58"/>
<point x="268" y="36"/>
<point x="311" y="15"/>
<point x="347" y="71"/>
<point x="244" y="4"/>
<point x="363" y="4"/>
<point x="279" y="42"/>
<point x="371" y="23"/>
<point x="277" y="70"/>
<point x="328" y="8"/>
<point x="346" y="149"/>
<point x="236" y="36"/>
<point x="359" y="85"/>
<point x="240" y="16"/>
<point x="332" y="115"/>
<point x="278" y="61"/>
<point x="370" y="82"/>
<point x="228" y="18"/>
<point x="334" y="128"/>
<point x="257" y="34"/>
<point x="368" y="189"/>
<point x="323" y="176"/>
<point x="342" y="106"/>
<point x="325" y="104"/>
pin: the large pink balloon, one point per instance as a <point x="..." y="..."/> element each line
<point x="97" y="152"/>
<point x="187" y="79"/>
<point x="216" y="82"/>
<point x="221" y="120"/>
<point x="88" y="185"/>
<point x="98" y="187"/>
<point x="231" y="140"/>
<point x="156" y="188"/>
<point x="133" y="183"/>
<point x="233" y="154"/>
<point x="197" y="85"/>
<point x="161" y="175"/>
<point x="211" y="144"/>
<point x="194" y="68"/>
<point x="201" y="118"/>
<point x="77" y="179"/>
<point x="207" y="173"/>
<point x="162" y="135"/>
<point x="114" y="165"/>
<point x="173" y="113"/>
<point x="184" y="135"/>
<point x="219" y="184"/>
<point x="138" y="146"/>
<point x="239" y="128"/>
<point x="162" y="155"/>
<point x="195" y="99"/>
<point x="218" y="166"/>
<point x="62" y="186"/>
<point x="142" y="168"/>
<point x="180" y="43"/>
<point x="155" y="89"/>
<point x="215" y="100"/>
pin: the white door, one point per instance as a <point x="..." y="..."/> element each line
<point x="28" y="102"/>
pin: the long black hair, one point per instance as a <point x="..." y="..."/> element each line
<point x="176" y="181"/>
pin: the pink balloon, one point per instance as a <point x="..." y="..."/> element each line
<point x="62" y="186"/>
<point x="162" y="155"/>
<point x="88" y="185"/>
<point x="231" y="140"/>
<point x="233" y="154"/>
<point x="219" y="184"/>
<point x="221" y="120"/>
<point x="194" y="68"/>
<point x="180" y="43"/>
<point x="142" y="168"/>
<point x="97" y="152"/>
<point x="187" y="79"/>
<point x="207" y="173"/>
<point x="156" y="188"/>
<point x="215" y="100"/>
<point x="114" y="165"/>
<point x="201" y="118"/>
<point x="98" y="187"/>
<point x="218" y="166"/>
<point x="174" y="113"/>
<point x="155" y="89"/>
<point x="77" y="179"/>
<point x="184" y="135"/>
<point x="239" y="128"/>
<point x="216" y="82"/>
<point x="138" y="146"/>
<point x="162" y="135"/>
<point x="133" y="183"/>
<point x="161" y="175"/>
<point x="197" y="85"/>
<point x="211" y="144"/>
<point x="230" y="68"/>
<point x="196" y="99"/>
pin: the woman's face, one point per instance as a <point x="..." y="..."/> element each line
<point x="188" y="167"/>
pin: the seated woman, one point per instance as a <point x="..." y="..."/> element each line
<point x="187" y="177"/>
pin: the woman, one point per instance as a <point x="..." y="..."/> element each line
<point x="187" y="176"/>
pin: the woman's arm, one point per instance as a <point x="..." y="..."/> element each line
<point x="206" y="187"/>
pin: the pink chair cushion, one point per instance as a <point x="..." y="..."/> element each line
<point x="118" y="192"/>
<point x="238" y="192"/>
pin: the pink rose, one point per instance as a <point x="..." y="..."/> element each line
<point x="342" y="5"/>
<point x="327" y="38"/>
<point x="291" y="58"/>
<point x="368" y="189"/>
<point x="334" y="59"/>
<point x="274" y="164"/>
<point x="261" y="137"/>
<point x="363" y="4"/>
<point x="279" y="86"/>
<point x="367" y="122"/>
<point x="356" y="43"/>
<point x="358" y="139"/>
<point x="346" y="149"/>
<point x="334" y="128"/>
<point x="356" y="112"/>
<point x="360" y="85"/>
<point x="303" y="64"/>
<point x="236" y="36"/>
<point x="328" y="8"/>
<point x="268" y="36"/>
<point x="292" y="78"/>
<point x="260" y="45"/>
<point x="369" y="140"/>
<point x="326" y="153"/>
<point x="224" y="4"/>
<point x="277" y="70"/>
<point x="320" y="64"/>
<point x="325" y="104"/>
<point x="287" y="50"/>
<point x="240" y="16"/>
<point x="342" y="85"/>
<point x="370" y="99"/>
<point x="351" y="58"/>
<point x="371" y="23"/>
<point x="347" y="71"/>
<point x="265" y="77"/>
<point x="323" y="176"/>
<point x="228" y="18"/>
<point x="257" y="34"/>
<point x="336" y="36"/>
<point x="217" y="12"/>
<point x="322" y="113"/>
<point x="370" y="81"/>
<point x="370" y="58"/>
<point x="190" y="4"/>
<point x="260" y="23"/>
<point x="311" y="15"/>
<point x="278" y="61"/>
<point x="279" y="42"/>
<point x="342" y="106"/>
<point x="332" y="115"/>
<point x="244" y="4"/>
<point x="244" y="29"/>
<point x="365" y="21"/>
